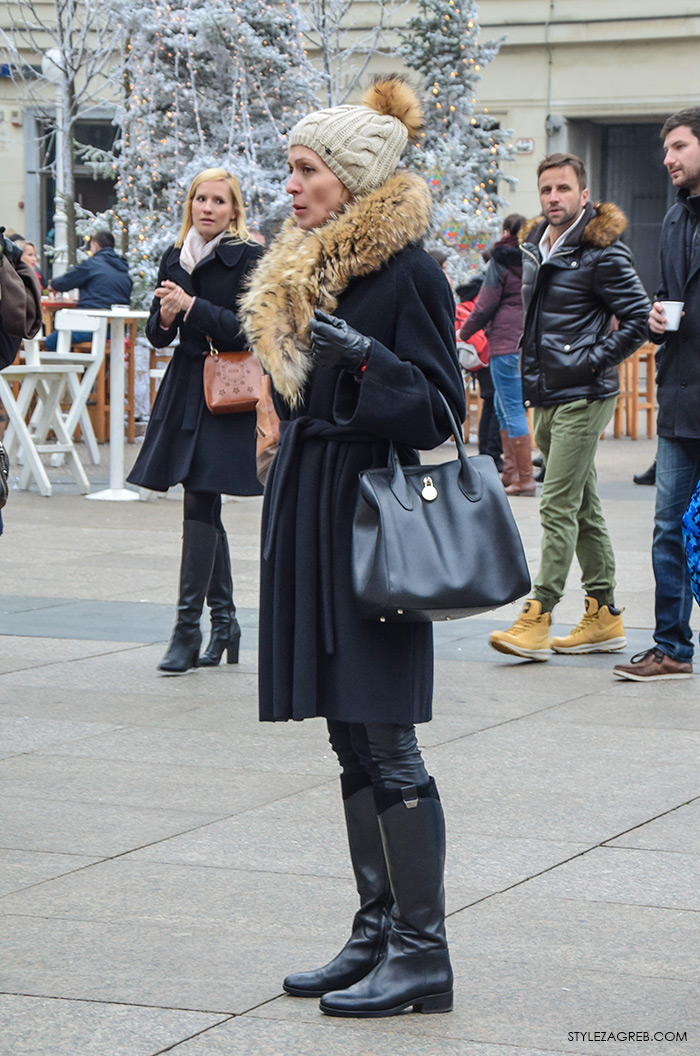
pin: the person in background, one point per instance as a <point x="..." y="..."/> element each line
<point x="20" y="305"/>
<point x="440" y="257"/>
<point x="30" y="257"/>
<point x="489" y="436"/>
<point x="355" y="324"/>
<point x="577" y="276"/>
<point x="499" y="310"/>
<point x="678" y="395"/>
<point x="199" y="281"/>
<point x="102" y="278"/>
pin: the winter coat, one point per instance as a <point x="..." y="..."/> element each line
<point x="317" y="657"/>
<point x="568" y="349"/>
<point x="499" y="306"/>
<point x="184" y="441"/>
<point x="678" y="358"/>
<point x="103" y="280"/>
<point x="20" y="307"/>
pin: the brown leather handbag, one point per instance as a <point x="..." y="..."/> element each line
<point x="267" y="430"/>
<point x="231" y="381"/>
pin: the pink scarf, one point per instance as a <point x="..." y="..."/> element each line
<point x="194" y="249"/>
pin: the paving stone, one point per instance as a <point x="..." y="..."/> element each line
<point x="679" y="830"/>
<point x="35" y="1026"/>
<point x="223" y="790"/>
<point x="22" y="869"/>
<point x="618" y="874"/>
<point x="24" y="734"/>
<point x="89" y="828"/>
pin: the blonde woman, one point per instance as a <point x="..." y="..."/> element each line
<point x="198" y="284"/>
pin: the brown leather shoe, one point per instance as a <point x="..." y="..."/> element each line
<point x="651" y="666"/>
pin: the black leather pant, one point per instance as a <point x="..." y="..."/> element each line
<point x="387" y="754"/>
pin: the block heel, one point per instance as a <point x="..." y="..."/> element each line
<point x="436" y="1003"/>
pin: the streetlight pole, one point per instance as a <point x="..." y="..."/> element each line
<point x="52" y="69"/>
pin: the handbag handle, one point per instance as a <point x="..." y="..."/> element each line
<point x="470" y="482"/>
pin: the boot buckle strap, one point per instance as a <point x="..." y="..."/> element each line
<point x="409" y="794"/>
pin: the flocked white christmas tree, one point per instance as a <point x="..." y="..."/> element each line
<point x="462" y="150"/>
<point x="215" y="84"/>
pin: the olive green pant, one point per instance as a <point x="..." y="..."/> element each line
<point x="570" y="511"/>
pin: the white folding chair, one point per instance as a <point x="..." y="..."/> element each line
<point x="47" y="382"/>
<point x="66" y="321"/>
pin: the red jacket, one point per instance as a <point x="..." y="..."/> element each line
<point x="479" y="340"/>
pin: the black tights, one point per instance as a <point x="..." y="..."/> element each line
<point x="386" y="754"/>
<point x="204" y="506"/>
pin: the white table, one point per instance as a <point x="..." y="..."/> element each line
<point x="116" y="317"/>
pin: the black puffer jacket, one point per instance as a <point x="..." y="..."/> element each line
<point x="569" y="350"/>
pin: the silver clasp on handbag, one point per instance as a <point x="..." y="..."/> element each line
<point x="429" y="491"/>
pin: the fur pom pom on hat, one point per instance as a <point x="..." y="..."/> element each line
<point x="362" y="144"/>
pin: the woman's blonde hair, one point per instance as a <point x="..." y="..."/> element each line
<point x="237" y="227"/>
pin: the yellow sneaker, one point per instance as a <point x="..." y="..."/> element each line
<point x="600" y="631"/>
<point x="529" y="635"/>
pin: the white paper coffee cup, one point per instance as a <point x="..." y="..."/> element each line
<point x="672" y="311"/>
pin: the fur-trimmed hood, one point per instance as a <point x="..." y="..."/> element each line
<point x="506" y="252"/>
<point x="605" y="226"/>
<point x="304" y="270"/>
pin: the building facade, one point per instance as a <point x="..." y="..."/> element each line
<point x="598" y="79"/>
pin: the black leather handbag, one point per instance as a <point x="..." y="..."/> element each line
<point x="435" y="542"/>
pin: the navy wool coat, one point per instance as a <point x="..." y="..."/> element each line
<point x="317" y="657"/>
<point x="185" y="443"/>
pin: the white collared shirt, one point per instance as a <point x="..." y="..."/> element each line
<point x="545" y="249"/>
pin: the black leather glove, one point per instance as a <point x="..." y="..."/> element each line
<point x="335" y="344"/>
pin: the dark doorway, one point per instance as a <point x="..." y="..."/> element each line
<point x="633" y="177"/>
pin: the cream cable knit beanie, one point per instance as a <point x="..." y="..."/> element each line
<point x="362" y="144"/>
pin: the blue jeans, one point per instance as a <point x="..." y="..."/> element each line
<point x="677" y="474"/>
<point x="508" y="401"/>
<point x="76" y="337"/>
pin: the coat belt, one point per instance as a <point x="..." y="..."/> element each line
<point x="292" y="433"/>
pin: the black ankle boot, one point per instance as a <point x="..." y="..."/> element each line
<point x="415" y="970"/>
<point x="370" y="928"/>
<point x="225" y="629"/>
<point x="647" y="477"/>
<point x="198" y="546"/>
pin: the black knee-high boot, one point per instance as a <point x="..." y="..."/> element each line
<point x="370" y="927"/>
<point x="225" y="629"/>
<point x="198" y="546"/>
<point x="415" y="970"/>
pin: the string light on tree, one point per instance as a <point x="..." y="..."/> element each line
<point x="215" y="84"/>
<point x="461" y="143"/>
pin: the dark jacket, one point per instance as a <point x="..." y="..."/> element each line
<point x="184" y="442"/>
<point x="499" y="306"/>
<point x="569" y="350"/>
<point x="103" y="280"/>
<point x="678" y="358"/>
<point x="317" y="657"/>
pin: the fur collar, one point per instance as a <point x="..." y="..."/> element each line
<point x="606" y="225"/>
<point x="304" y="270"/>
